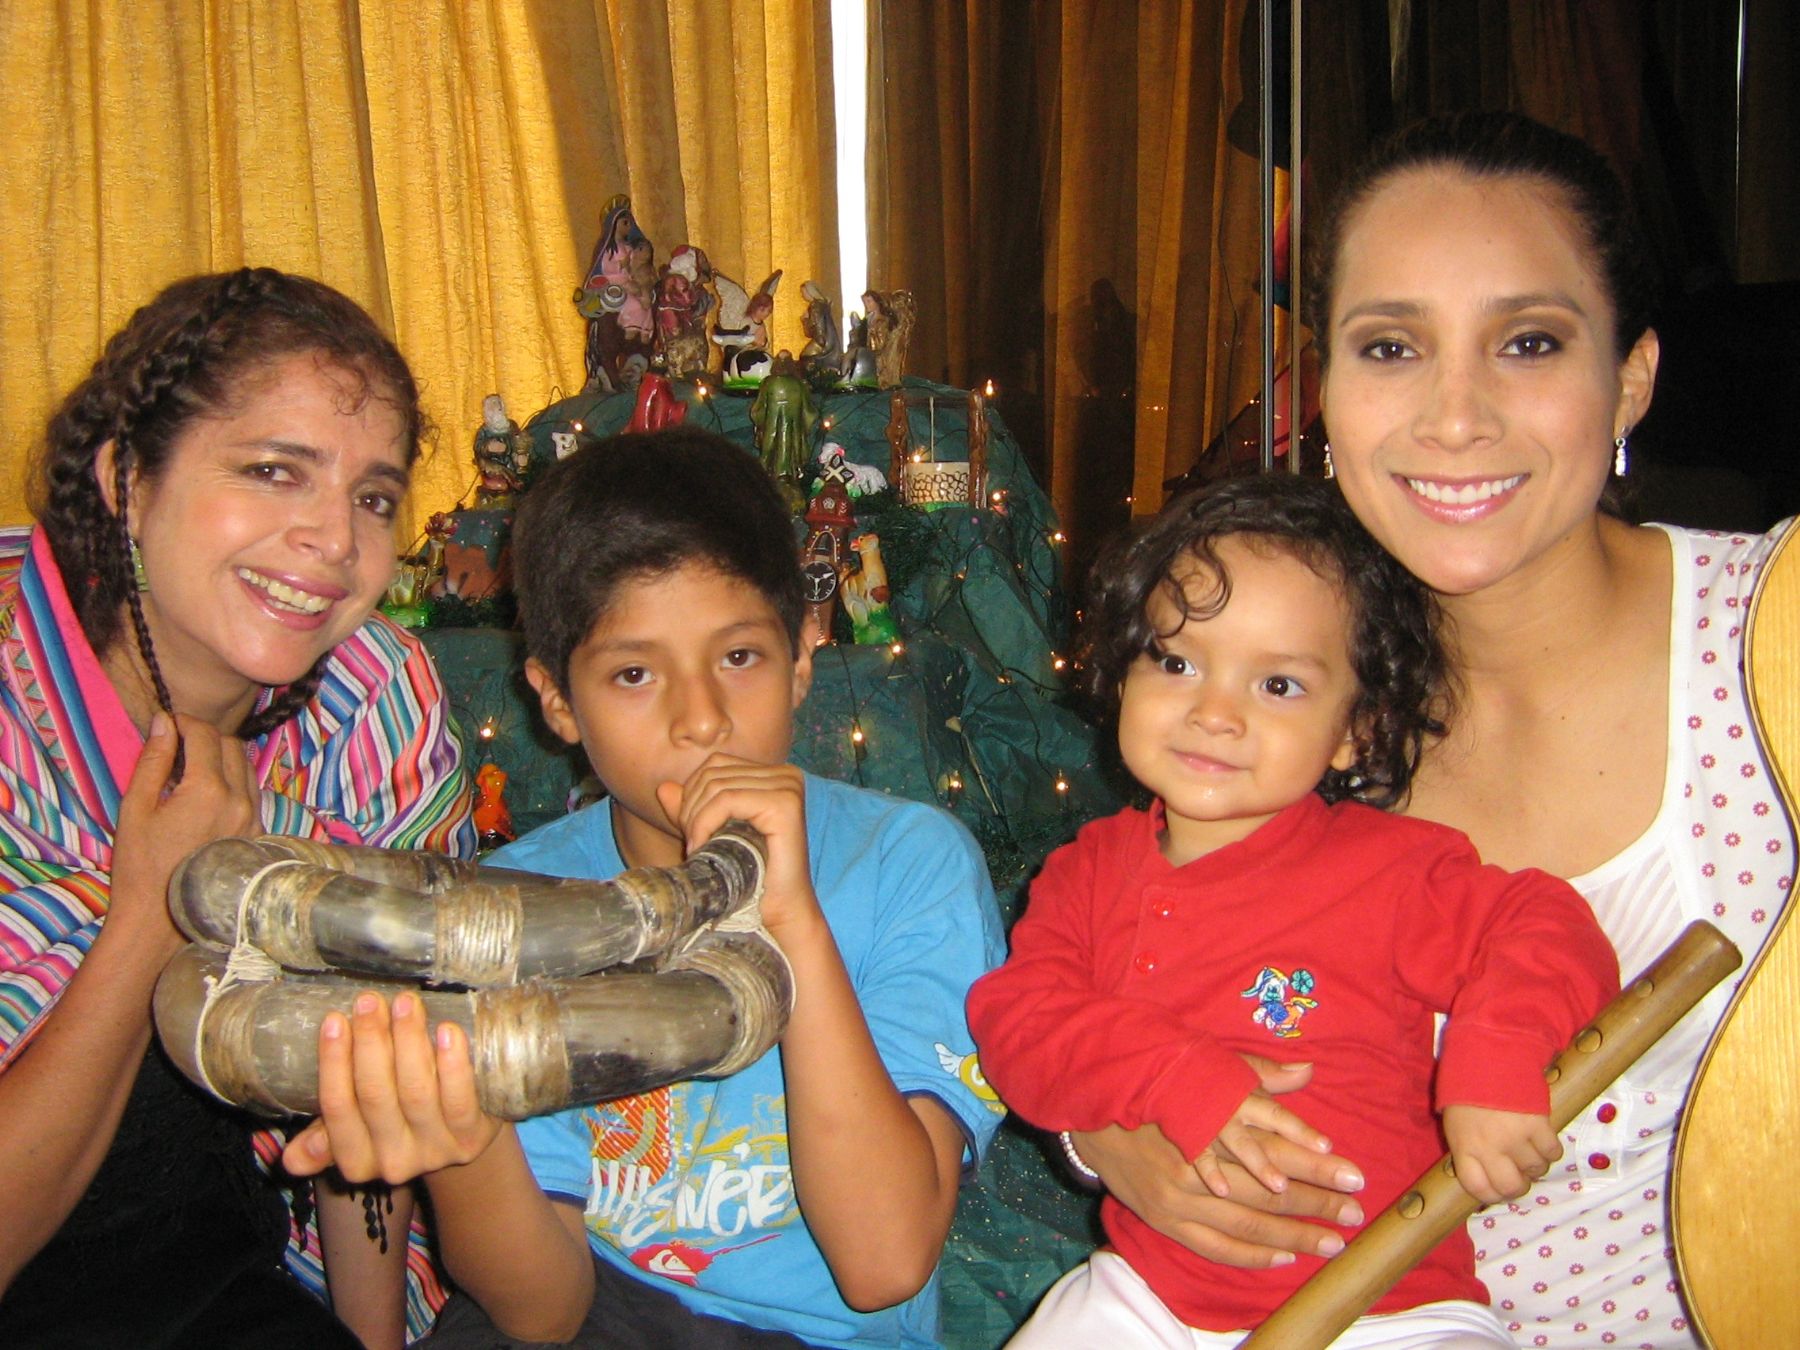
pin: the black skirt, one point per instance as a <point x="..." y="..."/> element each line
<point x="179" y="1241"/>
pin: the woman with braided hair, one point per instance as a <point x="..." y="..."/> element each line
<point x="189" y="650"/>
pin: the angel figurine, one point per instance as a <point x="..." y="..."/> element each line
<point x="888" y="327"/>
<point x="742" y="329"/>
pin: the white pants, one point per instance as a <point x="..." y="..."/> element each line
<point x="1105" y="1305"/>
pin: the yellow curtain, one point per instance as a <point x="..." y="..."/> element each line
<point x="444" y="162"/>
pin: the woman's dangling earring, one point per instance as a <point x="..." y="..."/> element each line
<point x="1621" y="455"/>
<point x="1330" y="468"/>
<point x="139" y="577"/>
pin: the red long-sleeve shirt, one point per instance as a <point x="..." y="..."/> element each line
<point x="1330" y="935"/>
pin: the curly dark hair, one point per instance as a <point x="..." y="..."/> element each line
<point x="642" y="505"/>
<point x="189" y="353"/>
<point x="1402" y="686"/>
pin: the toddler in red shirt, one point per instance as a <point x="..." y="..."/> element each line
<point x="1274" y="674"/>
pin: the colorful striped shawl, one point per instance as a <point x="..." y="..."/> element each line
<point x="374" y="758"/>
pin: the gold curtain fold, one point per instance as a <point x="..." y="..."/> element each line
<point x="754" y="135"/>
<point x="1055" y="184"/>
<point x="443" y="163"/>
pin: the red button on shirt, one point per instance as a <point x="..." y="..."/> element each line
<point x="1144" y="962"/>
<point x="1164" y="910"/>
<point x="1599" y="1161"/>
<point x="1607" y="1113"/>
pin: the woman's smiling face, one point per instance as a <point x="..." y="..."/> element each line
<point x="268" y="535"/>
<point x="1474" y="392"/>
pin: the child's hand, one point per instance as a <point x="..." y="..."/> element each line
<point x="771" y="797"/>
<point x="1238" y="1143"/>
<point x="393" y="1103"/>
<point x="1498" y="1154"/>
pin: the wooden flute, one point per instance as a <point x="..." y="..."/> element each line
<point x="1427" y="1212"/>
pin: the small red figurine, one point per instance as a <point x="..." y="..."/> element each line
<point x="657" y="406"/>
<point x="493" y="821"/>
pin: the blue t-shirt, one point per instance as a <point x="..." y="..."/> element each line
<point x="689" y="1184"/>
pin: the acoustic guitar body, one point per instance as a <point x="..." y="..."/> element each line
<point x="1736" y="1188"/>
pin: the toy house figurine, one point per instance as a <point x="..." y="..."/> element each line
<point x="824" y="555"/>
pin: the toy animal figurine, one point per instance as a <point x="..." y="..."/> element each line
<point x="866" y="595"/>
<point x="823" y="355"/>
<point x="493" y="821"/>
<point x="684" y="297"/>
<point x="657" y="406"/>
<point x="616" y="299"/>
<point x="742" y="330"/>
<point x="859" y="480"/>
<point x="784" y="417"/>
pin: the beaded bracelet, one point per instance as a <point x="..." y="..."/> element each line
<point x="1078" y="1164"/>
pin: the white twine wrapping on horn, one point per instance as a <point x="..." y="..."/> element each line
<point x="581" y="990"/>
<point x="247" y="964"/>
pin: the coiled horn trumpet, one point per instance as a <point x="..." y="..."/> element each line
<point x="570" y="991"/>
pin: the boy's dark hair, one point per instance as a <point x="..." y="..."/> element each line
<point x="1394" y="650"/>
<point x="642" y="505"/>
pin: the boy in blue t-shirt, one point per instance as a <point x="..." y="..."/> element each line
<point x="808" y="1196"/>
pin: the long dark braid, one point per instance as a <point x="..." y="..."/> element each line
<point x="285" y="704"/>
<point x="158" y="377"/>
<point x="135" y="603"/>
<point x="179" y="357"/>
